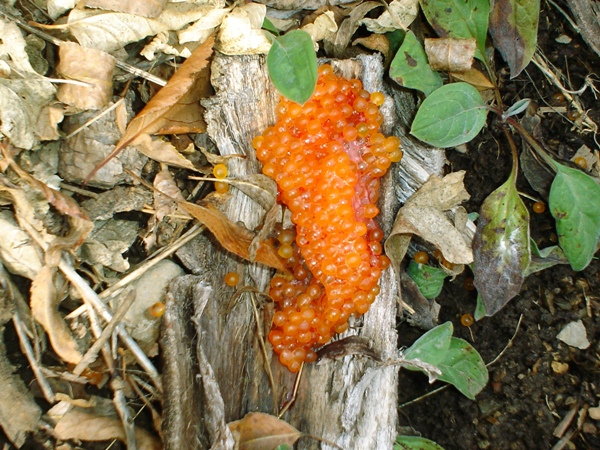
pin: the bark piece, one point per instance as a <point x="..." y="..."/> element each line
<point x="587" y="15"/>
<point x="352" y="401"/>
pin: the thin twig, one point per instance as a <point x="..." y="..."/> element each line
<point x="89" y="295"/>
<point x="120" y="403"/>
<point x="92" y="353"/>
<point x="261" y="340"/>
<point x="35" y="366"/>
<point x="294" y="392"/>
<point x="95" y="118"/>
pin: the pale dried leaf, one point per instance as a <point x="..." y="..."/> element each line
<point x="259" y="187"/>
<point x="425" y="215"/>
<point x="241" y="33"/>
<point x="203" y="27"/>
<point x="162" y="151"/>
<point x="74" y="65"/>
<point x="323" y="27"/>
<point x="12" y="47"/>
<point x="89" y="425"/>
<point x="144" y="8"/>
<point x="260" y="431"/>
<point x="398" y="16"/>
<point x="44" y="307"/>
<point x="166" y="204"/>
<point x="57" y="8"/>
<point x="449" y="54"/>
<point x="47" y="122"/>
<point x="22" y="98"/>
<point x="110" y="31"/>
<point x="474" y="77"/>
<point x="107" y="242"/>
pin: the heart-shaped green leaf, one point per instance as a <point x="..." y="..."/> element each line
<point x="450" y="116"/>
<point x="292" y="64"/>
<point x="575" y="204"/>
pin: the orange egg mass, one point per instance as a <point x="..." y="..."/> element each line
<point x="327" y="158"/>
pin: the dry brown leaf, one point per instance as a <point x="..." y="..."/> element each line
<point x="233" y="237"/>
<point x="144" y="8"/>
<point x="240" y="32"/>
<point x="375" y="42"/>
<point x="75" y="65"/>
<point x="449" y="54"/>
<point x="47" y="122"/>
<point x="162" y="151"/>
<point x="44" y="307"/>
<point x="88" y="425"/>
<point x="474" y="77"/>
<point x="260" y="431"/>
<point x="424" y="214"/>
<point x="154" y="116"/>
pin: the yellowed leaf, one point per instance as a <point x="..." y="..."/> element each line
<point x="259" y="431"/>
<point x="449" y="54"/>
<point x="75" y="65"/>
<point x="144" y="8"/>
<point x="155" y="114"/>
<point x="233" y="237"/>
<point x="44" y="307"/>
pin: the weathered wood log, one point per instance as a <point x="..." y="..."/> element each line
<point x="351" y="401"/>
<point x="587" y="16"/>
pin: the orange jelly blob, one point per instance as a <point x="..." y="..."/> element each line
<point x="327" y="157"/>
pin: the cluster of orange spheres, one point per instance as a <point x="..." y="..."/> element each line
<point x="327" y="158"/>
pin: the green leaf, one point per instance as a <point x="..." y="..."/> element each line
<point x="479" y="309"/>
<point x="292" y="64"/>
<point x="411" y="69"/>
<point x="513" y="26"/>
<point x="432" y="345"/>
<point x="450" y="116"/>
<point x="545" y="258"/>
<point x="460" y="19"/>
<point x="464" y="368"/>
<point x="501" y="247"/>
<point x="458" y="361"/>
<point x="415" y="443"/>
<point x="429" y="280"/>
<point x="575" y="204"/>
<point x="268" y="25"/>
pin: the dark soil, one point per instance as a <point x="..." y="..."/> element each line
<point x="526" y="398"/>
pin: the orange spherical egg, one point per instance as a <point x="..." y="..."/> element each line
<point x="327" y="157"/>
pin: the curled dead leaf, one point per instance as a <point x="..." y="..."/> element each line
<point x="425" y="214"/>
<point x="44" y="307"/>
<point x="259" y="431"/>
<point x="179" y="93"/>
<point x="233" y="237"/>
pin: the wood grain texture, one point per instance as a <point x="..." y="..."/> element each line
<point x="587" y="16"/>
<point x="351" y="401"/>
